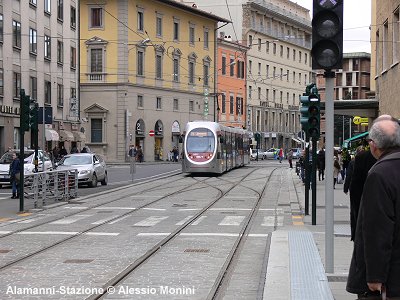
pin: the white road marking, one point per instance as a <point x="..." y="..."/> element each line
<point x="104" y="220"/>
<point x="120" y="219"/>
<point x="150" y="221"/>
<point x="232" y="221"/>
<point x="70" y="220"/>
<point x="209" y="234"/>
<point x="197" y="222"/>
<point x="75" y="207"/>
<point x="102" y="233"/>
<point x="144" y="196"/>
<point x="4" y="232"/>
<point x="188" y="209"/>
<point x="154" y="234"/>
<point x="229" y="209"/>
<point x="67" y="233"/>
<point x="115" y="208"/>
<point x="33" y="219"/>
<point x="157" y="209"/>
<point x="184" y="220"/>
<point x="48" y="232"/>
<point x="270" y="221"/>
<point x="258" y="235"/>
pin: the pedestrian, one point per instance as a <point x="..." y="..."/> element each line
<point x="349" y="174"/>
<point x="63" y="151"/>
<point x="321" y="164"/>
<point x="363" y="162"/>
<point x="176" y="154"/>
<point x="74" y="149"/>
<point x="375" y="266"/>
<point x="84" y="150"/>
<point x="132" y="151"/>
<point x="56" y="153"/>
<point x="139" y="154"/>
<point x="280" y="155"/>
<point x="290" y="158"/>
<point x="336" y="170"/>
<point x="15" y="168"/>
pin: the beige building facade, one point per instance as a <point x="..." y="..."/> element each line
<point x="38" y="53"/>
<point x="148" y="67"/>
<point x="278" y="68"/>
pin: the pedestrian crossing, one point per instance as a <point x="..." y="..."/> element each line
<point x="151" y="221"/>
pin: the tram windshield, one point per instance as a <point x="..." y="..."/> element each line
<point x="200" y="140"/>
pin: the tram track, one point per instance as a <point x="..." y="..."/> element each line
<point x="80" y="233"/>
<point x="124" y="215"/>
<point x="120" y="277"/>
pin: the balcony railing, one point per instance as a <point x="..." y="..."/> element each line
<point x="99" y="77"/>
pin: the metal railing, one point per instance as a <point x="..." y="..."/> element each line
<point x="44" y="188"/>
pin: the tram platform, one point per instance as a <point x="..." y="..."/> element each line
<point x="296" y="262"/>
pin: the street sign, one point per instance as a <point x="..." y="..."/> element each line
<point x="358" y="120"/>
<point x="151" y="133"/>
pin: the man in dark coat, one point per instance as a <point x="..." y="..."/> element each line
<point x="321" y="164"/>
<point x="362" y="163"/>
<point x="375" y="265"/>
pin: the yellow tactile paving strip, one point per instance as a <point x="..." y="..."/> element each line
<point x="297" y="220"/>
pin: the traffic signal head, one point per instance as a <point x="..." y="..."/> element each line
<point x="304" y="113"/>
<point x="327" y="34"/>
<point x="34" y="116"/>
<point x="24" y="110"/>
<point x="257" y="136"/>
<point x="314" y="116"/>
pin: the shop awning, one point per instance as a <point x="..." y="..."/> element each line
<point x="51" y="135"/>
<point x="296" y="140"/>
<point x="354" y="138"/>
<point x="79" y="136"/>
<point x="66" y="135"/>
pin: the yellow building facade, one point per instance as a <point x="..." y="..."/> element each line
<point x="147" y="68"/>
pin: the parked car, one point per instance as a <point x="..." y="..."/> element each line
<point x="270" y="153"/>
<point x="253" y="154"/>
<point x="29" y="166"/>
<point x="91" y="167"/>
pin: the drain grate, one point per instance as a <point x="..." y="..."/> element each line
<point x="4" y="251"/>
<point x="78" y="261"/>
<point x="179" y="205"/>
<point x="337" y="278"/>
<point x="197" y="250"/>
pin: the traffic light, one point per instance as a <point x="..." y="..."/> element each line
<point x="327" y="34"/>
<point x="25" y="103"/>
<point x="34" y="116"/>
<point x="314" y="111"/>
<point x="304" y="114"/>
<point x="257" y="136"/>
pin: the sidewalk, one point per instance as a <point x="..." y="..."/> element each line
<point x="297" y="257"/>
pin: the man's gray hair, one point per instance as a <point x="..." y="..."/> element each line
<point x="382" y="138"/>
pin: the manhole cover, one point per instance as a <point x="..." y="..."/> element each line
<point x="197" y="250"/>
<point x="78" y="261"/>
<point x="4" y="251"/>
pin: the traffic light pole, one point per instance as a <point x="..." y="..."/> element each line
<point x="307" y="180"/>
<point x="24" y="113"/>
<point x="329" y="197"/>
<point x="314" y="182"/>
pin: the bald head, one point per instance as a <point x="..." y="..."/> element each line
<point x="385" y="132"/>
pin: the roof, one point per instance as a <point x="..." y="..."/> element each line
<point x="194" y="10"/>
<point x="357" y="55"/>
<point x="354" y="138"/>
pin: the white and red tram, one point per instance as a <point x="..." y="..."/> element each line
<point x="209" y="147"/>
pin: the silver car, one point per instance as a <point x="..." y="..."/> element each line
<point x="29" y="167"/>
<point x="91" y="167"/>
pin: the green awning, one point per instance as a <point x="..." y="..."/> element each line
<point x="354" y="138"/>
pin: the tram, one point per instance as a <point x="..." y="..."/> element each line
<point x="209" y="147"/>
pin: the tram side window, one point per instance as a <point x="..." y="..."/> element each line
<point x="229" y="143"/>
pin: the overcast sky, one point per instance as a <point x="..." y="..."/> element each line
<point x="357" y="19"/>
